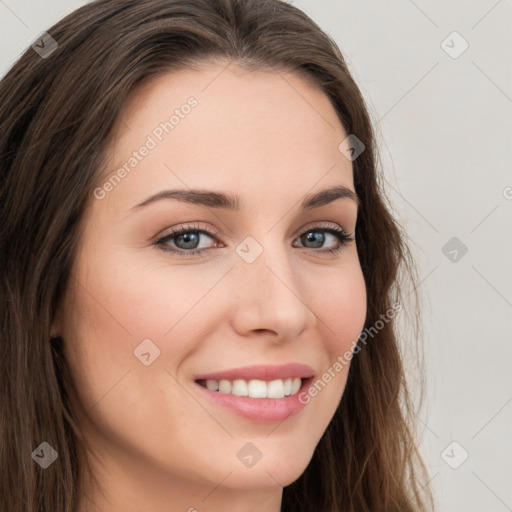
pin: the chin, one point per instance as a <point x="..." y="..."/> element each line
<point x="271" y="471"/>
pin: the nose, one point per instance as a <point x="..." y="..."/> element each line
<point x="268" y="297"/>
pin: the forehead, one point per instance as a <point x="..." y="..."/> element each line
<point x="230" y="128"/>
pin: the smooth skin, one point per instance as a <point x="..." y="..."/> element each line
<point x="270" y="138"/>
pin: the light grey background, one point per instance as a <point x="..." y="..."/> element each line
<point x="445" y="132"/>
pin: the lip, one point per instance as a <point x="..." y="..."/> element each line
<point x="261" y="372"/>
<point x="263" y="410"/>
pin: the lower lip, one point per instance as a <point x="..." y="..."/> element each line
<point x="265" y="410"/>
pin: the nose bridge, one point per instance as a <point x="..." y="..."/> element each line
<point x="268" y="289"/>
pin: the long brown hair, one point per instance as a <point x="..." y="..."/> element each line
<point x="57" y="114"/>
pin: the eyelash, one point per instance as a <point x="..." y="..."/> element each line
<point x="161" y="243"/>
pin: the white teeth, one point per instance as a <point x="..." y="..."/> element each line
<point x="275" y="389"/>
<point x="225" y="386"/>
<point x="240" y="388"/>
<point x="295" y="386"/>
<point x="288" y="387"/>
<point x="212" y="384"/>
<point x="255" y="388"/>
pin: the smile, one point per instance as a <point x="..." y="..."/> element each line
<point x="255" y="388"/>
<point x="264" y="393"/>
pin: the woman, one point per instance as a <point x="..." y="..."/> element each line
<point x="171" y="340"/>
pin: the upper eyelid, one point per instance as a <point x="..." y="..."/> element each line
<point x="185" y="228"/>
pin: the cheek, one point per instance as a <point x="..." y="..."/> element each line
<point x="341" y="308"/>
<point x="117" y="304"/>
<point x="157" y="299"/>
<point x="123" y="300"/>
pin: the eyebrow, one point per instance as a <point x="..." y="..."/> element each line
<point x="224" y="201"/>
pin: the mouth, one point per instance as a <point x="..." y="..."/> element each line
<point x="254" y="388"/>
<point x="259" y="393"/>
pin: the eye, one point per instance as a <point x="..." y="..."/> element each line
<point x="185" y="240"/>
<point x="316" y="236"/>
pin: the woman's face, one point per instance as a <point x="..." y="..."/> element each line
<point x="148" y="320"/>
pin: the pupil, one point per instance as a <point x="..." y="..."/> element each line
<point x="189" y="238"/>
<point x="317" y="238"/>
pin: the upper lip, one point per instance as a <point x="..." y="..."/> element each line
<point x="261" y="372"/>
